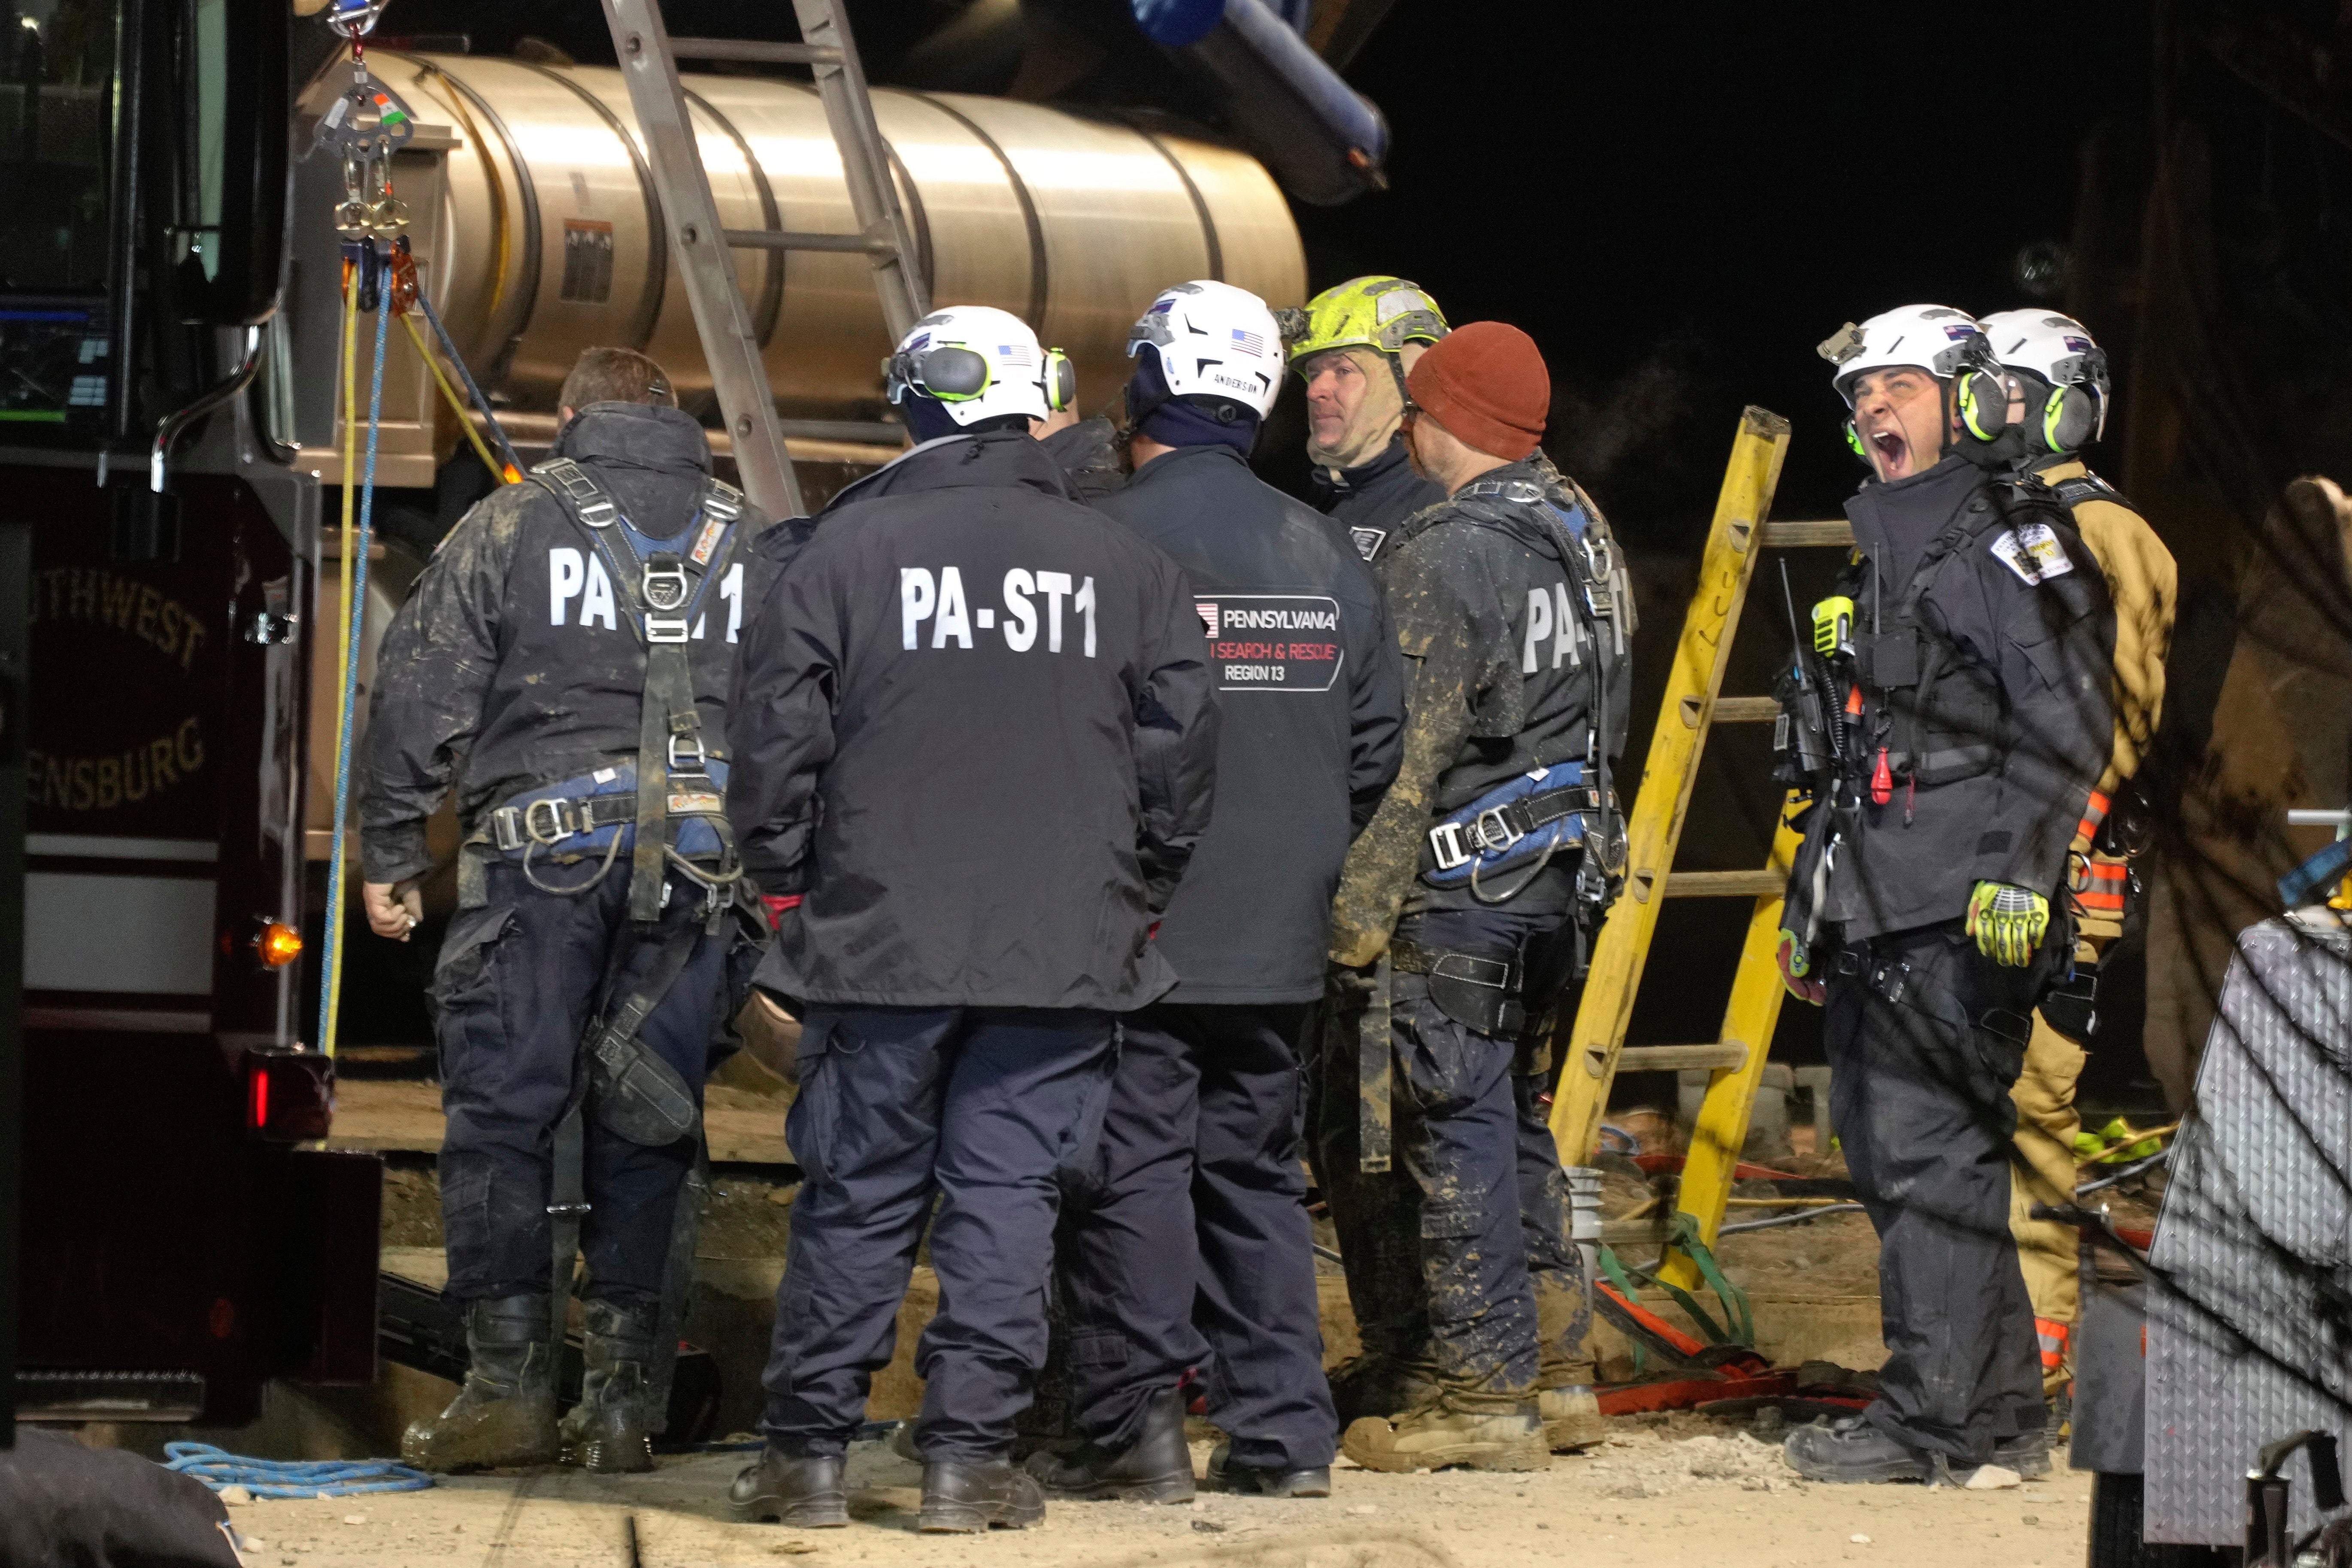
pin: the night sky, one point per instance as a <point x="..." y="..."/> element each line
<point x="1679" y="201"/>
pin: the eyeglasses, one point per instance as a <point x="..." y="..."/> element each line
<point x="1409" y="413"/>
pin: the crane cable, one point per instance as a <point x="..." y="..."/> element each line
<point x="354" y="600"/>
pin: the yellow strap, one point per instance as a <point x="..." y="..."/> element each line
<point x="457" y="404"/>
<point x="343" y="642"/>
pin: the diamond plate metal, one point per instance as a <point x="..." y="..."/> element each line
<point x="2248" y="1334"/>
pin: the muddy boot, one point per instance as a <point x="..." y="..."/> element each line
<point x="1434" y="1438"/>
<point x="1156" y="1468"/>
<point x="961" y="1497"/>
<point x="1571" y="1418"/>
<point x="1373" y="1384"/>
<point x="610" y="1430"/>
<point x="505" y="1414"/>
<point x="805" y="1494"/>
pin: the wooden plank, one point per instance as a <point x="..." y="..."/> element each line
<point x="403" y="1116"/>
<point x="1769" y="883"/>
<point x="1827" y="533"/>
<point x="1730" y="1055"/>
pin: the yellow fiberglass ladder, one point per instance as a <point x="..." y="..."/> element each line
<point x="1592" y="1049"/>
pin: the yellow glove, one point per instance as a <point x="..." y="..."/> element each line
<point x="2007" y="922"/>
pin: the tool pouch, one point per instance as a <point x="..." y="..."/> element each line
<point x="1477" y="993"/>
<point x="635" y="1093"/>
<point x="2072" y="1006"/>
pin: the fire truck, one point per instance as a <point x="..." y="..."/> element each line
<point x="170" y="472"/>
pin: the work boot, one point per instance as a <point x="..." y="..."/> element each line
<point x="1571" y="1418"/>
<point x="2028" y="1454"/>
<point x="505" y="1412"/>
<point x="610" y="1430"/>
<point x="804" y="1492"/>
<point x="1853" y="1450"/>
<point x="1156" y="1468"/>
<point x="1266" y="1481"/>
<point x="1435" y="1437"/>
<point x="1369" y="1384"/>
<point x="963" y="1496"/>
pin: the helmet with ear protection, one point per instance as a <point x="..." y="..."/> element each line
<point x="2063" y="372"/>
<point x="979" y="363"/>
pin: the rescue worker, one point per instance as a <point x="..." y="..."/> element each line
<point x="977" y="739"/>
<point x="562" y="666"/>
<point x="1085" y="450"/>
<point x="1193" y="1249"/>
<point x="1461" y="906"/>
<point x="1353" y="346"/>
<point x="1969" y="649"/>
<point x="2059" y="396"/>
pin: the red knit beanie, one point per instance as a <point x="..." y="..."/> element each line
<point x="1486" y="384"/>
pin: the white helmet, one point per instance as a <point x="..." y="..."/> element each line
<point x="979" y="363"/>
<point x="1936" y="337"/>
<point x="2060" y="352"/>
<point x="1214" y="339"/>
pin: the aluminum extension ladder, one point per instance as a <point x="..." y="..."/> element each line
<point x="1592" y="1049"/>
<point x="704" y="247"/>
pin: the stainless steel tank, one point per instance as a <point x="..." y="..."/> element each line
<point x="538" y="234"/>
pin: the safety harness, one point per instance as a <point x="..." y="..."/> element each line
<point x="1519" y="825"/>
<point x="669" y="805"/>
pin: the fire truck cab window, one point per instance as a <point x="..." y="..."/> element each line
<point x="57" y="118"/>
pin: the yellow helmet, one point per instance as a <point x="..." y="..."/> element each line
<point x="1382" y="313"/>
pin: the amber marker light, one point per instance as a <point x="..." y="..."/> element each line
<point x="278" y="942"/>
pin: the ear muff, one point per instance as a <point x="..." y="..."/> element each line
<point x="946" y="372"/>
<point x="1853" y="439"/>
<point x="1981" y="398"/>
<point x="1060" y="380"/>
<point x="2071" y="418"/>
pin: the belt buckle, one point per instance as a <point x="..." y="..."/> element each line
<point x="1500" y="837"/>
<point x="506" y="828"/>
<point x="702" y="763"/>
<point x="554" y="808"/>
<point x="1445" y="839"/>
<point x="665" y="628"/>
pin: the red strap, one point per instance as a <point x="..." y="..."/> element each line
<point x="778" y="903"/>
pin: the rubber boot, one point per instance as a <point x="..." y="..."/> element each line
<point x="1155" y="1467"/>
<point x="806" y="1493"/>
<point x="610" y="1430"/>
<point x="505" y="1412"/>
<point x="1434" y="1438"/>
<point x="961" y="1497"/>
<point x="1571" y="1418"/>
<point x="1266" y="1481"/>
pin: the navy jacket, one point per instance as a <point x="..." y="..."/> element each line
<point x="513" y="664"/>
<point x="1371" y="500"/>
<point x="1312" y="686"/>
<point x="976" y="732"/>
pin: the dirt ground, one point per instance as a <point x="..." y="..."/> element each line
<point x="1662" y="1493"/>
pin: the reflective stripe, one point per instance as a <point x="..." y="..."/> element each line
<point x="2095" y="815"/>
<point x="2053" y="1338"/>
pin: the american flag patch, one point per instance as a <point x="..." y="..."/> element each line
<point x="1012" y="353"/>
<point x="1208" y="608"/>
<point x="711" y="533"/>
<point x="1255" y="343"/>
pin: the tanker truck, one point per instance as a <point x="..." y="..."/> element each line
<point x="171" y="476"/>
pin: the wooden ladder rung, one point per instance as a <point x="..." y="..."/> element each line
<point x="1824" y="534"/>
<point x="1730" y="1054"/>
<point x="1746" y="710"/>
<point x="1764" y="884"/>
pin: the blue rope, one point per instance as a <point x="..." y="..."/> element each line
<point x="219" y="1469"/>
<point x="354" y="637"/>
